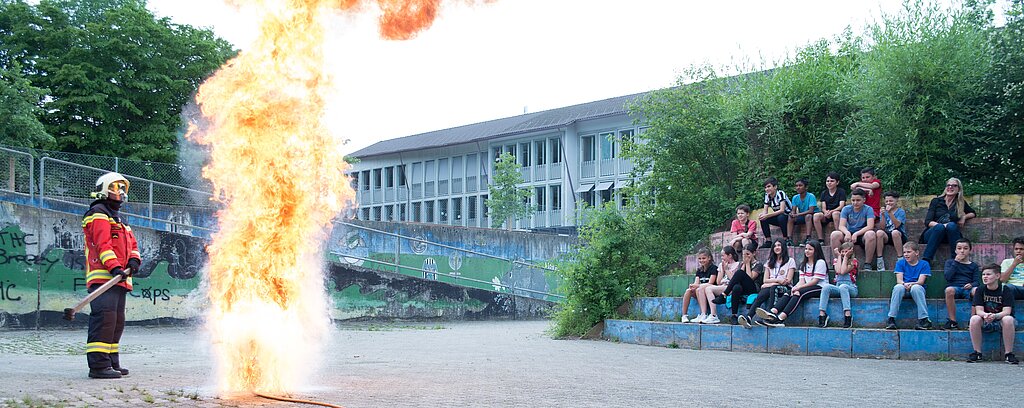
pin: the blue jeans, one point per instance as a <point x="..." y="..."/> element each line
<point x="845" y="290"/>
<point x="948" y="232"/>
<point x="916" y="292"/>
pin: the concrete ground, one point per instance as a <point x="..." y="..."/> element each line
<point x="492" y="364"/>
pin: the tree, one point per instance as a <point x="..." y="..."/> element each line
<point x="117" y="77"/>
<point x="19" y="110"/>
<point x="507" y="201"/>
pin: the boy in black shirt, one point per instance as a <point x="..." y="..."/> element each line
<point x="993" y="306"/>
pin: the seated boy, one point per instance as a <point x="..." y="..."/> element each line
<point x="776" y="210"/>
<point x="872" y="186"/>
<point x="1013" y="269"/>
<point x="911" y="272"/>
<point x="856" y="225"/>
<point x="804" y="207"/>
<point x="893" y="228"/>
<point x="962" y="277"/>
<point x="993" y="308"/>
<point x="833" y="199"/>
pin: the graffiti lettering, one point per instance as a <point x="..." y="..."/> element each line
<point x="152" y="294"/>
<point x="5" y="292"/>
<point x="26" y="259"/>
<point x="16" y="239"/>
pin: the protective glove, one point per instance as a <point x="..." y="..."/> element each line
<point x="120" y="271"/>
<point x="135" y="265"/>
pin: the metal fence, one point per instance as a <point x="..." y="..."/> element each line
<point x="167" y="173"/>
<point x="518" y="270"/>
<point x="19" y="174"/>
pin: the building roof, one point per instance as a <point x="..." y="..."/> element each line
<point x="492" y="129"/>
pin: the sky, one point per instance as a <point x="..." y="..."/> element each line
<point x="502" y="59"/>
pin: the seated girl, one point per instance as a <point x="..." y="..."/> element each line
<point x="726" y="270"/>
<point x="744" y="228"/>
<point x="777" y="280"/>
<point x="706" y="275"/>
<point x="745" y="281"/>
<point x="846" y="266"/>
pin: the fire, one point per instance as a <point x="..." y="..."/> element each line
<point x="280" y="176"/>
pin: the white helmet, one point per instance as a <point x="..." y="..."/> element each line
<point x="113" y="186"/>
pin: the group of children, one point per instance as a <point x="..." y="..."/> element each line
<point x="782" y="283"/>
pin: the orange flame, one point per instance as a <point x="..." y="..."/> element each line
<point x="280" y="176"/>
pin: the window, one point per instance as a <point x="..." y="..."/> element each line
<point x="401" y="213"/>
<point x="444" y="172"/>
<point x="442" y="207"/>
<point x="376" y="179"/>
<point x="497" y="153"/>
<point x="366" y="180"/>
<point x="429" y="211"/>
<point x="626" y="136"/>
<point x="556" y="150"/>
<point x="366" y="213"/>
<point x="416" y="215"/>
<point x="354" y="182"/>
<point x="588" y="148"/>
<point x="541" y="197"/>
<point x="429" y="171"/>
<point x="389" y="177"/>
<point x="376" y="213"/>
<point x="401" y="176"/>
<point x="556" y="197"/>
<point x="471" y="207"/>
<point x="540" y="156"/>
<point x="510" y="149"/>
<point x="607" y="146"/>
<point x="483" y="202"/>
<point x="587" y="197"/>
<point x="389" y="213"/>
<point x="457" y="210"/>
<point x="524" y="154"/>
<point x="606" y="195"/>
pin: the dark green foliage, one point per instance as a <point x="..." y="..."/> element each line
<point x="116" y="76"/>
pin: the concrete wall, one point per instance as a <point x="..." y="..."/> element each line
<point x="42" y="272"/>
<point x="450" y="265"/>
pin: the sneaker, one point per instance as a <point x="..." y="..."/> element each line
<point x="823" y="321"/>
<point x="807" y="240"/>
<point x="744" y="321"/>
<point x="765" y="315"/>
<point x="821" y="242"/>
<point x="685" y="319"/>
<point x="699" y="319"/>
<point x="891" y="324"/>
<point x="712" y="319"/>
<point x="774" y="322"/>
<point x="975" y="357"/>
<point x="767" y="243"/>
<point x="760" y="322"/>
<point x="923" y="324"/>
<point x="880" y="264"/>
<point x="847" y="322"/>
<point x="1011" y="359"/>
<point x="951" y="325"/>
<point x="789" y="242"/>
<point x="719" y="300"/>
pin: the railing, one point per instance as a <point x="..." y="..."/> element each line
<point x="516" y="268"/>
<point x="527" y="173"/>
<point x="588" y="169"/>
<point x="19" y="172"/>
<point x="607" y="167"/>
<point x="151" y="203"/>
<point x="555" y="171"/>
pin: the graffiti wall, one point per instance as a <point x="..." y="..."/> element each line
<point x="42" y="272"/>
<point x="497" y="260"/>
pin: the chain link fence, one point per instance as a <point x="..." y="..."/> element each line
<point x="166" y="173"/>
<point x="18" y="170"/>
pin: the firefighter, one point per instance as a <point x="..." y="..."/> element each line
<point x="110" y="250"/>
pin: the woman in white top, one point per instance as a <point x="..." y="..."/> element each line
<point x="813" y="274"/>
<point x="730" y="263"/>
<point x="778" y="279"/>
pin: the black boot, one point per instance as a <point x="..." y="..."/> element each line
<point x="122" y="370"/>
<point x="104" y="373"/>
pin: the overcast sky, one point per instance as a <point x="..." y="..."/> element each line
<point x="497" y="60"/>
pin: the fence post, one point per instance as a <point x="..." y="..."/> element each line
<point x="42" y="176"/>
<point x="151" y="202"/>
<point x="10" y="170"/>
<point x="115" y="165"/>
<point x="398" y="253"/>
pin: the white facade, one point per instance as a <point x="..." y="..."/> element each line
<point x="563" y="167"/>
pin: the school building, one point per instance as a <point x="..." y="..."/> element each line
<point x="568" y="156"/>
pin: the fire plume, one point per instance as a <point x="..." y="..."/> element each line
<point x="280" y="177"/>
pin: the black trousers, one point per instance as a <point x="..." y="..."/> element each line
<point x="739" y="287"/>
<point x="106" y="324"/>
<point x="764" y="295"/>
<point x="788" y="303"/>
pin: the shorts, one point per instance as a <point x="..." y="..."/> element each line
<point x="992" y="327"/>
<point x="888" y="235"/>
<point x="1018" y="291"/>
<point x="859" y="240"/>
<point x="800" y="220"/>
<point x="960" y="292"/>
<point x="825" y="220"/>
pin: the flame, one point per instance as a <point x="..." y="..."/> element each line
<point x="280" y="176"/>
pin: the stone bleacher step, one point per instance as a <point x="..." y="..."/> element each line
<point x="867" y="313"/>
<point x="836" y="342"/>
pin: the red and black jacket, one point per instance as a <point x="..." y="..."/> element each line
<point x="109" y="243"/>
